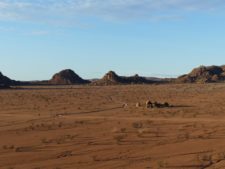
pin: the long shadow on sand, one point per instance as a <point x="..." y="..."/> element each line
<point x="119" y="107"/>
<point x="180" y="106"/>
<point x="51" y="88"/>
<point x="90" y="112"/>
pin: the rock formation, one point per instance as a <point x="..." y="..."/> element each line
<point x="67" y="77"/>
<point x="5" y="82"/>
<point x="204" y="74"/>
<point x="111" y="78"/>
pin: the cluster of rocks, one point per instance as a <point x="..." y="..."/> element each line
<point x="150" y="104"/>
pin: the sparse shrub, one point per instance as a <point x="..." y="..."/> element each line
<point x="45" y="141"/>
<point x="137" y="125"/>
<point x="205" y="159"/>
<point x="115" y="130"/>
<point x="161" y="164"/>
<point x="10" y="147"/>
<point x="60" y="124"/>
<point x="123" y="130"/>
<point x="10" y="168"/>
<point x="119" y="138"/>
<point x="5" y="147"/>
<point x="186" y="135"/>
<point x="65" y="154"/>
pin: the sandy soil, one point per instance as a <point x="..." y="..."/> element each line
<point x="88" y="128"/>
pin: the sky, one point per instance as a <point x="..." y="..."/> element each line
<point x="164" y="38"/>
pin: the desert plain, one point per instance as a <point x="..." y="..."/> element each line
<point x="88" y="127"/>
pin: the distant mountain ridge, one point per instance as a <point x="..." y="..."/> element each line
<point x="202" y="74"/>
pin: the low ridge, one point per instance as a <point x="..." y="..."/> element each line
<point x="111" y="78"/>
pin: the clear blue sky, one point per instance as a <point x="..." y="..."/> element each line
<point x="150" y="37"/>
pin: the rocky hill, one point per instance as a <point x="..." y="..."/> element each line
<point x="204" y="74"/>
<point x="5" y="82"/>
<point x="111" y="78"/>
<point x="67" y="77"/>
<point x="4" y="79"/>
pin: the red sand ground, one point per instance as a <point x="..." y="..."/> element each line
<point x="87" y="127"/>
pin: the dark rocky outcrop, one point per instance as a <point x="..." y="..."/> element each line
<point x="204" y="74"/>
<point x="6" y="82"/>
<point x="67" y="77"/>
<point x="111" y="78"/>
